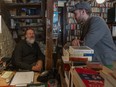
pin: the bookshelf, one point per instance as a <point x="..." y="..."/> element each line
<point x="101" y="9"/>
<point x="112" y="20"/>
<point x="72" y="29"/>
<point x="26" y="17"/>
<point x="25" y="14"/>
<point x="22" y="5"/>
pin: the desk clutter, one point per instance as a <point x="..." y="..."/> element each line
<point x="8" y="75"/>
<point x="26" y="79"/>
<point x="49" y="77"/>
<point x="4" y="63"/>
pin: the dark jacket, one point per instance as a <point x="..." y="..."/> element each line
<point x="25" y="55"/>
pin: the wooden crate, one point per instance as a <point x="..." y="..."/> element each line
<point x="107" y="74"/>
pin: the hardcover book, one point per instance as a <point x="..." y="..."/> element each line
<point x="90" y="77"/>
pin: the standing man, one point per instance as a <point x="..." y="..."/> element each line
<point x="95" y="34"/>
<point x="27" y="54"/>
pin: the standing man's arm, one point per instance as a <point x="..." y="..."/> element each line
<point x="96" y="32"/>
<point x="76" y="42"/>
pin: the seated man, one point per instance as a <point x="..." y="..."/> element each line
<point x="27" y="54"/>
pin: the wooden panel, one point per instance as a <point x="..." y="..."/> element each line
<point x="49" y="42"/>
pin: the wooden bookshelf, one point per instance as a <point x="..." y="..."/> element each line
<point x="101" y="9"/>
<point x="27" y="14"/>
<point x="34" y="26"/>
<point x="22" y="5"/>
<point x="27" y="17"/>
<point x="70" y="30"/>
<point x="71" y="27"/>
<point x="40" y="25"/>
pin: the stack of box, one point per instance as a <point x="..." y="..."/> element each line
<point x="79" y="53"/>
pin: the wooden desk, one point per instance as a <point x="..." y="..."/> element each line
<point x="4" y="83"/>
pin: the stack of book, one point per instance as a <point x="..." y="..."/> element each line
<point x="87" y="78"/>
<point x="65" y="55"/>
<point x="80" y="53"/>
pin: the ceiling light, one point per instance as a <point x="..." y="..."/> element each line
<point x="100" y="1"/>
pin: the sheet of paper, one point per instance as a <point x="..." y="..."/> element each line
<point x="22" y="78"/>
<point x="7" y="74"/>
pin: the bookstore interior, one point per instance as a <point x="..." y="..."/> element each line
<point x="57" y="43"/>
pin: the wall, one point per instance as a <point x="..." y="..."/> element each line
<point x="7" y="43"/>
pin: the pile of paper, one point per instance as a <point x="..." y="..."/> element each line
<point x="22" y="78"/>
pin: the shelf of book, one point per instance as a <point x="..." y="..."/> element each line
<point x="25" y="14"/>
<point x="26" y="17"/>
<point x="101" y="9"/>
<point x="72" y="29"/>
<point x="23" y="5"/>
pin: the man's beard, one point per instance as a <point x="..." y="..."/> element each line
<point x="80" y="20"/>
<point x="30" y="40"/>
